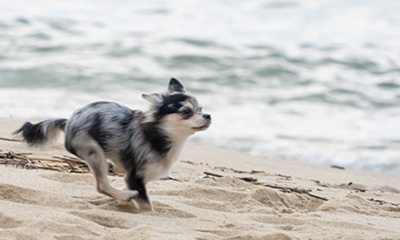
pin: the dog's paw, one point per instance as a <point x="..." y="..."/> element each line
<point x="143" y="206"/>
<point x="130" y="195"/>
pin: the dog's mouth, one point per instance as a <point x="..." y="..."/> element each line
<point x="204" y="127"/>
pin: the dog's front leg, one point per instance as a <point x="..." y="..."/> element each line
<point x="135" y="182"/>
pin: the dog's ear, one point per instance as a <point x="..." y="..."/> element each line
<point x="175" y="86"/>
<point x="153" y="98"/>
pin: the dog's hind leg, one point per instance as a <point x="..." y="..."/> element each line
<point x="136" y="183"/>
<point x="88" y="149"/>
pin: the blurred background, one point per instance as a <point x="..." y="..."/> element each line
<point x="307" y="80"/>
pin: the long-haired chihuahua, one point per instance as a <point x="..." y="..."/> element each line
<point x="141" y="145"/>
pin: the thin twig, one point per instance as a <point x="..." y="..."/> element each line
<point x="301" y="191"/>
<point x="170" y="178"/>
<point x="381" y="202"/>
<point x="213" y="174"/>
<point x="239" y="171"/>
<point x="10" y="140"/>
<point x="287" y="189"/>
<point x="188" y="162"/>
<point x="246" y="179"/>
<point x="68" y="159"/>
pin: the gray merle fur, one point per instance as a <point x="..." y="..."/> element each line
<point x="142" y="145"/>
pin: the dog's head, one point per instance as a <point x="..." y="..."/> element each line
<point x="178" y="111"/>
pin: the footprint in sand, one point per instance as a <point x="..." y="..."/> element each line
<point x="107" y="220"/>
<point x="276" y="236"/>
<point x="28" y="196"/>
<point x="233" y="195"/>
<point x="82" y="179"/>
<point x="7" y="222"/>
<point x="286" y="202"/>
<point x="164" y="210"/>
<point x="23" y="195"/>
<point x="211" y="198"/>
<point x="160" y="209"/>
<point x="220" y="195"/>
<point x="111" y="204"/>
<point x="117" y="220"/>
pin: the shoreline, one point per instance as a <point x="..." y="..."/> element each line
<point x="240" y="197"/>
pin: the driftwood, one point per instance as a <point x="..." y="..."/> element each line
<point x="76" y="165"/>
<point x="25" y="161"/>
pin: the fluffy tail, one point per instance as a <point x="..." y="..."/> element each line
<point x="40" y="133"/>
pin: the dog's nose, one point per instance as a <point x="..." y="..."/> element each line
<point x="207" y="116"/>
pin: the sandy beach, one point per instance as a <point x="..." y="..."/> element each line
<point x="241" y="197"/>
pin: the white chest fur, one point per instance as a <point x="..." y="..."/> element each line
<point x="162" y="167"/>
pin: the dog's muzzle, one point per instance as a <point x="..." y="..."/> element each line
<point x="207" y="117"/>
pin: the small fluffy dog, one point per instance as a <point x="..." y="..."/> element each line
<point x="142" y="145"/>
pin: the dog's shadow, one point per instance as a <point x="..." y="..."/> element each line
<point x="160" y="209"/>
<point x="110" y="204"/>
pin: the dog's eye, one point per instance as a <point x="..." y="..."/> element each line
<point x="187" y="111"/>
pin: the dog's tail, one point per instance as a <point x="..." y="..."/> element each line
<point x="40" y="133"/>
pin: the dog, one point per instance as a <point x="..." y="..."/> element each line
<point x="141" y="145"/>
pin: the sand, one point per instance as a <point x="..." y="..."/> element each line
<point x="44" y="204"/>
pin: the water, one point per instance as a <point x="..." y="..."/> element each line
<point x="313" y="81"/>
